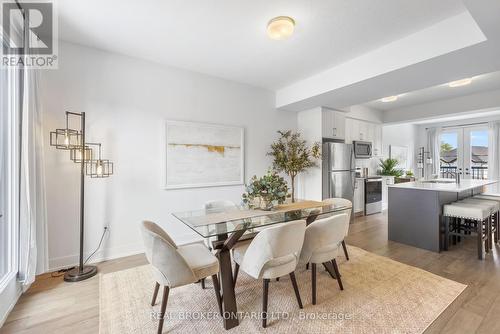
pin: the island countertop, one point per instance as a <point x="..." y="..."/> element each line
<point x="452" y="187"/>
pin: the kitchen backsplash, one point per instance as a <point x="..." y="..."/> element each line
<point x="371" y="164"/>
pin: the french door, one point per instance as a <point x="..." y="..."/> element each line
<point x="464" y="150"/>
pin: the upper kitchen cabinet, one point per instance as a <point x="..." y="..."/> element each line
<point x="333" y="124"/>
<point x="358" y="130"/>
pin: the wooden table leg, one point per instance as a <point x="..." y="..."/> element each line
<point x="230" y="307"/>
<point x="229" y="299"/>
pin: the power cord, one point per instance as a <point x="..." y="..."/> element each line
<point x="61" y="272"/>
<point x="98" y="246"/>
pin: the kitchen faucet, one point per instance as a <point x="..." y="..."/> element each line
<point x="456" y="175"/>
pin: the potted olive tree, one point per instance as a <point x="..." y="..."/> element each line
<point x="291" y="155"/>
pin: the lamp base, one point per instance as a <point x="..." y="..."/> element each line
<point x="75" y="275"/>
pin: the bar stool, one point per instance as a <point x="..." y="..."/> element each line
<point x="477" y="218"/>
<point x="496" y="215"/>
<point x="495" y="207"/>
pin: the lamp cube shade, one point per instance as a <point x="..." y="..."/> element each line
<point x="75" y="154"/>
<point x="99" y="168"/>
<point x="65" y="139"/>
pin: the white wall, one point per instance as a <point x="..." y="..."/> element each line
<point x="126" y="101"/>
<point x="402" y="135"/>
<point x="365" y="113"/>
<point x="309" y="182"/>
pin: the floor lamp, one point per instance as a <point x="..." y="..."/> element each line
<point x="82" y="153"/>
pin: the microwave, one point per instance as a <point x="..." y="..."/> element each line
<point x="362" y="149"/>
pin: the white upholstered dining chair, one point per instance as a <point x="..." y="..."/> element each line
<point x="322" y="240"/>
<point x="175" y="266"/>
<point x="274" y="252"/>
<point x="347" y="203"/>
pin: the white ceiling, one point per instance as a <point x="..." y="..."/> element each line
<point x="227" y="38"/>
<point x="476" y="116"/>
<point x="480" y="83"/>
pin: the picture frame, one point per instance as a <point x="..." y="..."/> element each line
<point x="203" y="155"/>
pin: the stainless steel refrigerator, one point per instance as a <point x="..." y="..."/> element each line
<point x="339" y="173"/>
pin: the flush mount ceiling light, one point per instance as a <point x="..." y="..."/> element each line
<point x="460" y="83"/>
<point x="280" y="27"/>
<point x="389" y="98"/>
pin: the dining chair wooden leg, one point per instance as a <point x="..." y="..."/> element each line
<point x="264" y="302"/>
<point x="277" y="279"/>
<point x="337" y="273"/>
<point x="329" y="269"/>
<point x="217" y="293"/>
<point x="345" y="250"/>
<point x="203" y="283"/>
<point x="235" y="272"/>
<point x="155" y="293"/>
<point x="313" y="280"/>
<point x="164" y="301"/>
<point x="296" y="289"/>
<point x="307" y="266"/>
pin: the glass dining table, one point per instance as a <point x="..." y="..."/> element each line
<point x="229" y="225"/>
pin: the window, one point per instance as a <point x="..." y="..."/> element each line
<point x="449" y="155"/>
<point x="9" y="157"/>
<point x="464" y="150"/>
<point x="478" y="154"/>
<point x="4" y="189"/>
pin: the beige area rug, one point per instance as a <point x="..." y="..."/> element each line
<point x="380" y="296"/>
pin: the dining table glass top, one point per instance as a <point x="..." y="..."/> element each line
<point x="222" y="221"/>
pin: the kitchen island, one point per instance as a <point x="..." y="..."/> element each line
<point x="415" y="209"/>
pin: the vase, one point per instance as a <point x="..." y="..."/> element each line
<point x="265" y="204"/>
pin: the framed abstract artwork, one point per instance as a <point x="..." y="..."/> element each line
<point x="203" y="155"/>
<point x="400" y="153"/>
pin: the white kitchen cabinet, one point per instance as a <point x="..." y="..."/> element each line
<point x="377" y="140"/>
<point x="386" y="181"/>
<point x="351" y="130"/>
<point x="356" y="129"/>
<point x="359" y="196"/>
<point x="364" y="129"/>
<point x="333" y="124"/>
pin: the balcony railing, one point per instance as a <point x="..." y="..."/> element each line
<point x="476" y="172"/>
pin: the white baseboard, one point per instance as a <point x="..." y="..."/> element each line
<point x="112" y="253"/>
<point x="102" y="255"/>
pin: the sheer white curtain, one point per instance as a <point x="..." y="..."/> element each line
<point x="32" y="242"/>
<point x="33" y="251"/>
<point x="494" y="154"/>
<point x="433" y="147"/>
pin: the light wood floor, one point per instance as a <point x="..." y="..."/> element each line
<point x="53" y="306"/>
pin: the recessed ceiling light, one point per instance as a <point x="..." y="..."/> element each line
<point x="389" y="98"/>
<point x="459" y="83"/>
<point x="280" y="27"/>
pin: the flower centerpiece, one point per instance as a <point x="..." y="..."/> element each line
<point x="266" y="191"/>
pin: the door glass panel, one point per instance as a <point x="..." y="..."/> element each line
<point x="478" y="158"/>
<point x="448" y="154"/>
